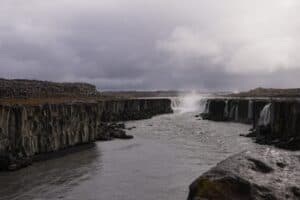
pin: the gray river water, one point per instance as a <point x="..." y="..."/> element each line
<point x="166" y="155"/>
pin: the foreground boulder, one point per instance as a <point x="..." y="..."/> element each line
<point x="260" y="174"/>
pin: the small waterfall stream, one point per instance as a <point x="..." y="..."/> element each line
<point x="265" y="116"/>
<point x="226" y="109"/>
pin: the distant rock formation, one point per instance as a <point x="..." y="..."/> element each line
<point x="19" y="88"/>
<point x="259" y="174"/>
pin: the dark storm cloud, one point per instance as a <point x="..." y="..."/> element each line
<point x="135" y="44"/>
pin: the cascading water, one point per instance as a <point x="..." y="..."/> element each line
<point x="232" y="112"/>
<point x="192" y="102"/>
<point x="175" y="104"/>
<point x="206" y="106"/>
<point x="226" y="112"/>
<point x="265" y="116"/>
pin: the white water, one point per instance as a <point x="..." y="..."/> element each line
<point x="206" y="107"/>
<point x="232" y="112"/>
<point x="226" y="112"/>
<point x="192" y="102"/>
<point x="265" y="116"/>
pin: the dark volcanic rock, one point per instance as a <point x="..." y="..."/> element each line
<point x="109" y="131"/>
<point x="215" y="110"/>
<point x="30" y="130"/>
<point x="260" y="174"/>
<point x="236" y="110"/>
<point x="279" y="126"/>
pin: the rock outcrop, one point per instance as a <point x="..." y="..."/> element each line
<point x="253" y="175"/>
<point x="19" y="88"/>
<point x="29" y="130"/>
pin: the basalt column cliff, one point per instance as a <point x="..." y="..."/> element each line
<point x="30" y="127"/>
<point x="274" y="121"/>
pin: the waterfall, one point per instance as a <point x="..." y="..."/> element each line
<point x="250" y="109"/>
<point x="226" y="112"/>
<point x="192" y="102"/>
<point x="175" y="104"/>
<point x="204" y="105"/>
<point x="265" y="116"/>
<point x="232" y="112"/>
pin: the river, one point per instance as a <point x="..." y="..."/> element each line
<point x="166" y="155"/>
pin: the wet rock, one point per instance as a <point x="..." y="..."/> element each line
<point x="130" y="128"/>
<point x="120" y="134"/>
<point x="110" y="131"/>
<point x="260" y="174"/>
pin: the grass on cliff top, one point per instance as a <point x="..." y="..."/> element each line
<point x="54" y="100"/>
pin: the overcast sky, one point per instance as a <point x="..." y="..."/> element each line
<point x="153" y="44"/>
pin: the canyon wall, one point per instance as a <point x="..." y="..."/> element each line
<point x="233" y="109"/>
<point x="274" y="121"/>
<point x="30" y="130"/>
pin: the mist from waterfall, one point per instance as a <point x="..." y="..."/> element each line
<point x="190" y="102"/>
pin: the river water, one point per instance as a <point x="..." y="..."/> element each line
<point x="166" y="155"/>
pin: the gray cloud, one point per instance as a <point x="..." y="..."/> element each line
<point x="122" y="44"/>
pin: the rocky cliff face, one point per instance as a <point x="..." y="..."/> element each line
<point x="29" y="130"/>
<point x="31" y="88"/>
<point x="274" y="121"/>
<point x="254" y="175"/>
<point x="279" y="124"/>
<point x="237" y="110"/>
